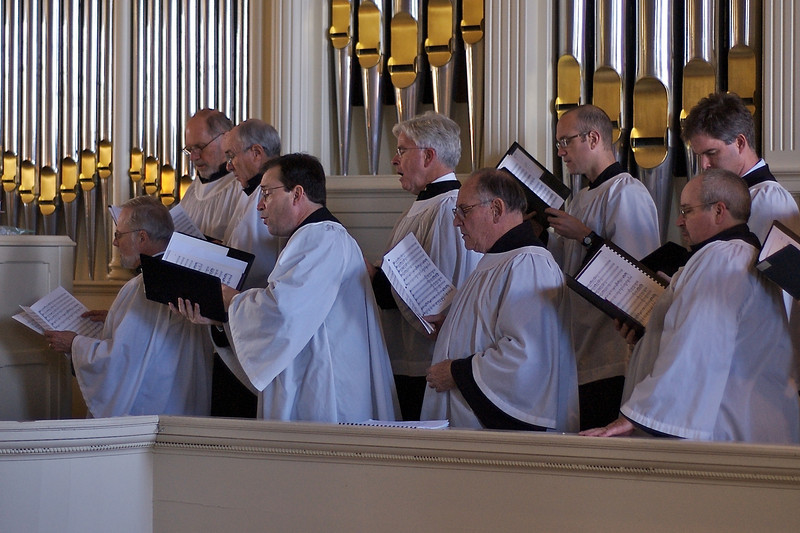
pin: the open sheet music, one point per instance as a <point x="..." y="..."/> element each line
<point x="779" y="258"/>
<point x="205" y="256"/>
<point x="422" y="286"/>
<point x="542" y="188"/>
<point x="58" y="311"/>
<point x="619" y="286"/>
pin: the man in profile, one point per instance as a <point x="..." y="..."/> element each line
<point x="211" y="198"/>
<point x="503" y="358"/>
<point x="428" y="150"/>
<point x="715" y="361"/>
<point x="148" y="361"/>
<point x="616" y="207"/>
<point x="721" y="132"/>
<point x="309" y="341"/>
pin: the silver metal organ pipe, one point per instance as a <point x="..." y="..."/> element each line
<point x="28" y="182"/>
<point x="609" y="80"/>
<point x="189" y="81"/>
<point x="406" y="52"/>
<point x="440" y="47"/>
<point x="472" y="30"/>
<point x="12" y="56"/>
<point x="744" y="51"/>
<point x="700" y="74"/>
<point x="227" y="59"/>
<point x="89" y="123"/>
<point x="651" y="136"/>
<point x="70" y="116"/>
<point x="370" y="51"/>
<point x="169" y="107"/>
<point x="50" y="106"/>
<point x="341" y="36"/>
<point x="105" y="104"/>
<point x="243" y="47"/>
<point x="153" y="100"/>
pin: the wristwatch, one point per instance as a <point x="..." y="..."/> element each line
<point x="589" y="239"/>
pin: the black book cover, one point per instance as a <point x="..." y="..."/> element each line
<point x="783" y="266"/>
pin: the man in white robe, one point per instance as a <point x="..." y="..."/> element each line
<point x="617" y="207"/>
<point x="248" y="147"/>
<point x="211" y="198"/>
<point x="721" y="132"/>
<point x="715" y="360"/>
<point x="148" y="361"/>
<point x="503" y="358"/>
<point x="428" y="150"/>
<point x="310" y="341"/>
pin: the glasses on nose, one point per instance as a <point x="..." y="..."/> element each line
<point x="189" y="150"/>
<point x="265" y="191"/>
<point x="229" y="157"/>
<point x="118" y="234"/>
<point x="461" y="211"/>
<point x="563" y="142"/>
<point x="400" y="151"/>
<point x="690" y="208"/>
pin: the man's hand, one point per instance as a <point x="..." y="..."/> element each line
<point x="436" y="321"/>
<point x="191" y="312"/>
<point x="619" y="427"/>
<point x="626" y="332"/>
<point x="60" y="341"/>
<point x="566" y="225"/>
<point x="439" y="377"/>
<point x="228" y="293"/>
<point x="96" y="315"/>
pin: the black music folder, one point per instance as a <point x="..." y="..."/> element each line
<point x="667" y="258"/>
<point x="619" y="285"/>
<point x="542" y="188"/>
<point x="779" y="259"/>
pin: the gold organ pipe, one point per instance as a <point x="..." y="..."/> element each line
<point x="48" y="191"/>
<point x="150" y="175"/>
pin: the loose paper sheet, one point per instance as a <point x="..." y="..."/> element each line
<point x="59" y="311"/>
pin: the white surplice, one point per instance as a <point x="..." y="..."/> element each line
<point x="715" y="361"/>
<point x="622" y="211"/>
<point x="247" y="232"/>
<point x="310" y="342"/>
<point x="148" y="360"/>
<point x="211" y="205"/>
<point x="510" y="313"/>
<point x="431" y="222"/>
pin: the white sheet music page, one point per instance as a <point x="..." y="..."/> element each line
<point x="183" y="223"/>
<point x="612" y="277"/>
<point x="530" y="174"/>
<point x="204" y="256"/>
<point x="776" y="240"/>
<point x="416" y="279"/>
<point x="60" y="311"/>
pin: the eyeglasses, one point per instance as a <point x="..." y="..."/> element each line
<point x="689" y="208"/>
<point x="188" y="150"/>
<point x="401" y="151"/>
<point x="563" y="142"/>
<point x="265" y="191"/>
<point x="230" y="157"/>
<point x="461" y="211"/>
<point x="118" y="234"/>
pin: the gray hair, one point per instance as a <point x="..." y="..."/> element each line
<point x="151" y="215"/>
<point x="253" y="132"/>
<point x="433" y="130"/>
<point x="491" y="183"/>
<point x="720" y="185"/>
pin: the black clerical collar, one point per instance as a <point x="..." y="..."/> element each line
<point x="320" y="215"/>
<point x="740" y="231"/>
<point x="517" y="237"/>
<point x="437" y="188"/>
<point x="252" y="184"/>
<point x="215" y="176"/>
<point x="612" y="170"/>
<point x="759" y="175"/>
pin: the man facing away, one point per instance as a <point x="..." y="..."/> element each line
<point x="310" y="341"/>
<point x="617" y="207"/>
<point x="503" y="358"/>
<point x="720" y="130"/>
<point x="211" y="198"/>
<point x="715" y="360"/>
<point x="147" y="361"/>
<point x="428" y="150"/>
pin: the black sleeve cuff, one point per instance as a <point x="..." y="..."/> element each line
<point x="219" y="337"/>
<point x="383" y="291"/>
<point x="488" y="414"/>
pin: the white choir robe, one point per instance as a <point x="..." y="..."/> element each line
<point x="211" y="205"/>
<point x="510" y="313"/>
<point x="715" y="360"/>
<point x="310" y="343"/>
<point x="247" y="232"/>
<point x="148" y="361"/>
<point x="622" y="211"/>
<point x="431" y="222"/>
